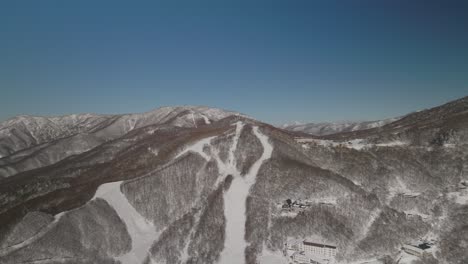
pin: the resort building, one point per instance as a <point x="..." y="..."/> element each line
<point x="311" y="251"/>
<point x="413" y="250"/>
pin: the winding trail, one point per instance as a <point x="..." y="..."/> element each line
<point x="235" y="206"/>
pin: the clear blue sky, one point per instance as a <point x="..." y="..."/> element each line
<point x="274" y="60"/>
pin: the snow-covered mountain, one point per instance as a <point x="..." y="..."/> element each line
<point x="29" y="142"/>
<point x="327" y="128"/>
<point x="202" y="185"/>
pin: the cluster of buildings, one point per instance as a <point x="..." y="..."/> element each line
<point x="316" y="251"/>
<point x="310" y="251"/>
<point x="293" y="204"/>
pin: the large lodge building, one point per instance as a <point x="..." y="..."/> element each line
<point x="311" y="251"/>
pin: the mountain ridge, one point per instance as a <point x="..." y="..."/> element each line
<point x="22" y="135"/>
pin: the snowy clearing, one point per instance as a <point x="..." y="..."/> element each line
<point x="414" y="212"/>
<point x="405" y="258"/>
<point x="141" y="231"/>
<point x="272" y="257"/>
<point x="207" y="121"/>
<point x="198" y="147"/>
<point x="392" y="144"/>
<point x="460" y="197"/>
<point x="400" y="188"/>
<point x="153" y="150"/>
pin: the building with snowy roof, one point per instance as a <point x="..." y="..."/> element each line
<point x="311" y="251"/>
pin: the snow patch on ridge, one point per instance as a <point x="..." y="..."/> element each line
<point x="198" y="147"/>
<point x="141" y="231"/>
<point x="357" y="144"/>
<point x="207" y="121"/>
<point x="460" y="197"/>
<point x="154" y="151"/>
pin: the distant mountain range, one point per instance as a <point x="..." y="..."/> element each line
<point x="327" y="128"/>
<point x="204" y="185"/>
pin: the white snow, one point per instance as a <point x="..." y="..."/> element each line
<point x="374" y="214"/>
<point x="232" y="150"/>
<point x="356" y="182"/>
<point x="291" y="213"/>
<point x="225" y="168"/>
<point x="207" y="121"/>
<point x="235" y="204"/>
<point x="361" y="144"/>
<point x="142" y="231"/>
<point x="267" y="150"/>
<point x="414" y="212"/>
<point x="357" y="144"/>
<point x="272" y="257"/>
<point x="392" y="143"/>
<point x="153" y="150"/>
<point x="400" y="188"/>
<point x="372" y="217"/>
<point x="460" y="197"/>
<point x="185" y="255"/>
<point x="449" y="145"/>
<point x="131" y="123"/>
<point x="198" y="147"/>
<point x="52" y="260"/>
<point x="369" y="261"/>
<point x="151" y="131"/>
<point x="229" y="167"/>
<point x="405" y="258"/>
<point x="320" y="142"/>
<point x="327" y="200"/>
<point x="193" y="119"/>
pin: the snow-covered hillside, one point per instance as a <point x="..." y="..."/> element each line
<point x="200" y="185"/>
<point x="28" y="142"/>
